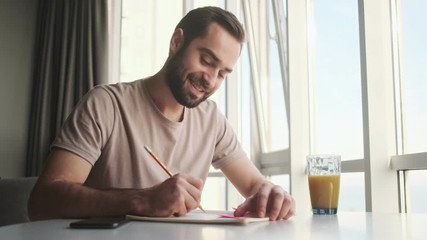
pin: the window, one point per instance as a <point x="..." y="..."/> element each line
<point x="352" y="83"/>
<point x="145" y="36"/>
<point x="413" y="50"/>
<point x="265" y="23"/>
<point x="417" y="191"/>
<point x="273" y="78"/>
<point x="409" y="54"/>
<point x="335" y="84"/>
<point x="335" y="78"/>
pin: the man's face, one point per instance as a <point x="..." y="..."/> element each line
<point x="195" y="72"/>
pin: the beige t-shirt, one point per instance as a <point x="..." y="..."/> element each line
<point x="112" y="123"/>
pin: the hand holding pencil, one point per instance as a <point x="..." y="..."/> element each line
<point x="191" y="181"/>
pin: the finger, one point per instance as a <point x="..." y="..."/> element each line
<point x="180" y="211"/>
<point x="189" y="184"/>
<point x="177" y="195"/>
<point x="190" y="193"/>
<point x="289" y="215"/>
<point x="291" y="211"/>
<point x="192" y="200"/>
<point x="262" y="200"/>
<point x="288" y="208"/>
<point x="179" y="208"/>
<point x="193" y="194"/>
<point x="276" y="203"/>
<point x="196" y="182"/>
<point x="243" y="208"/>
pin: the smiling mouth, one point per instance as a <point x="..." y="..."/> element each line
<point x="196" y="85"/>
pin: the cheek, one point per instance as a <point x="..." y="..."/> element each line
<point x="193" y="64"/>
<point x="190" y="61"/>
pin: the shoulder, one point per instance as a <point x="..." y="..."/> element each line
<point x="119" y="88"/>
<point x="113" y="92"/>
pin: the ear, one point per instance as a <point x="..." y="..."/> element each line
<point x="176" y="41"/>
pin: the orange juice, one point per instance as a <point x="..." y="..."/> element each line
<point x="324" y="193"/>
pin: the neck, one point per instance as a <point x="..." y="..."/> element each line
<point x="163" y="98"/>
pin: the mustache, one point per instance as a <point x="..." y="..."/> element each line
<point x="198" y="80"/>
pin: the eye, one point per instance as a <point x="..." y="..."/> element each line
<point x="206" y="61"/>
<point x="222" y="75"/>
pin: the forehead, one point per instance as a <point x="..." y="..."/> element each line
<point x="224" y="45"/>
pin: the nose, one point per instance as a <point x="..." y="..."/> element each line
<point x="210" y="78"/>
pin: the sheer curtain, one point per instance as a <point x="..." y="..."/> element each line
<point x="71" y="56"/>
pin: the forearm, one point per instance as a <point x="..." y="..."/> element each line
<point x="60" y="199"/>
<point x="244" y="176"/>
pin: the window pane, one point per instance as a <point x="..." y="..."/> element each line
<point x="336" y="79"/>
<point x="267" y="89"/>
<point x="413" y="74"/>
<point x="202" y="3"/>
<point x="417" y="191"/>
<point x="277" y="129"/>
<point x="281" y="180"/>
<point x="147" y="27"/>
<point x="352" y="192"/>
<point x="213" y="195"/>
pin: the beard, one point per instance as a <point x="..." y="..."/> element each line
<point x="176" y="79"/>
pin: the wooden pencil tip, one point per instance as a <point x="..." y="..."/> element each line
<point x="200" y="207"/>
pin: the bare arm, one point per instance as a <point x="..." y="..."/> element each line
<point x="263" y="198"/>
<point x="60" y="193"/>
<point x="244" y="176"/>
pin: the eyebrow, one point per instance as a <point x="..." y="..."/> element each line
<point x="215" y="57"/>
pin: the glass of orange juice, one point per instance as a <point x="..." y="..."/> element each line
<point x="324" y="182"/>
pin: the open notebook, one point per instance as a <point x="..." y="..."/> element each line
<point x="197" y="216"/>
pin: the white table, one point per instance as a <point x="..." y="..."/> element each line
<point x="345" y="225"/>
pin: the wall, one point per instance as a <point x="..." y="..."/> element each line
<point x="17" y="39"/>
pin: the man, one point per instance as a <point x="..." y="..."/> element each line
<point x="98" y="165"/>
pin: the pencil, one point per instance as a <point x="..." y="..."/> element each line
<point x="164" y="167"/>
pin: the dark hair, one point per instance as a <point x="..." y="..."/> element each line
<point x="196" y="22"/>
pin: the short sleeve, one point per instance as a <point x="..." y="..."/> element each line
<point x="227" y="146"/>
<point x="88" y="127"/>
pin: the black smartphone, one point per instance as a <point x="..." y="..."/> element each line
<point x="104" y="222"/>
